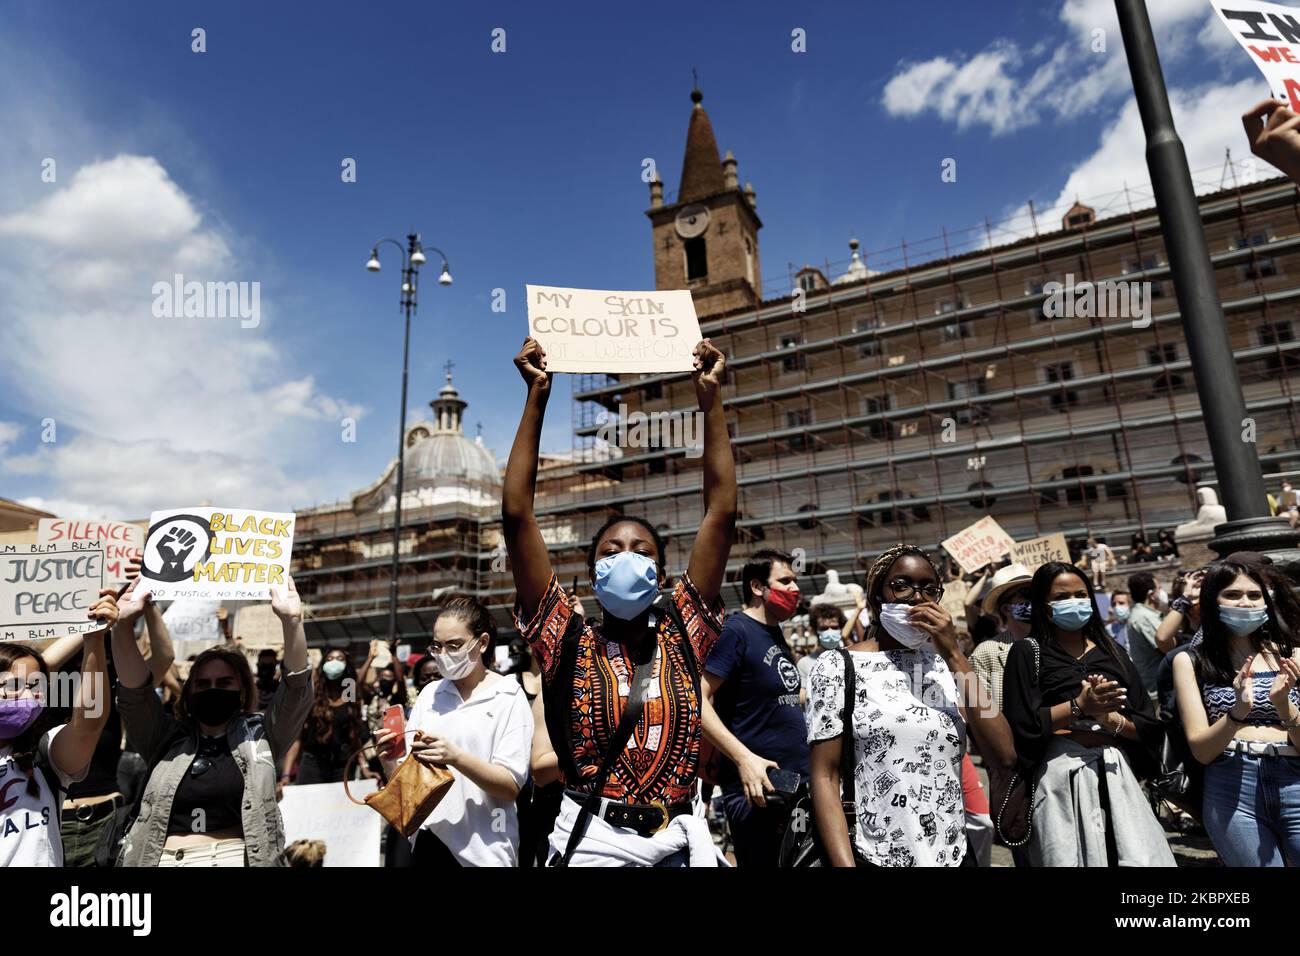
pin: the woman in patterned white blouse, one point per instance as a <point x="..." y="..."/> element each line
<point x="914" y="700"/>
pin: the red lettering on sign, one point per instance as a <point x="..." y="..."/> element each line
<point x="1293" y="93"/>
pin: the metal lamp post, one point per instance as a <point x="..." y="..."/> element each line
<point x="412" y="258"/>
<point x="1241" y="482"/>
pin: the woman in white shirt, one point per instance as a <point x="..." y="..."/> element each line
<point x="914" y="700"/>
<point x="39" y="762"/>
<point x="479" y="726"/>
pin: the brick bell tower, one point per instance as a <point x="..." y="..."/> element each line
<point x="707" y="241"/>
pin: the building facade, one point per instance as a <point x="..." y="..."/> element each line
<point x="899" y="397"/>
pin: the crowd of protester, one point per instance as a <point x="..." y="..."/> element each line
<point x="605" y="739"/>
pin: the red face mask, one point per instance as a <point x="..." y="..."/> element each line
<point x="781" y="603"/>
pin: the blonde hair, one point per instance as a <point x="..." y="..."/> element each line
<point x="305" y="853"/>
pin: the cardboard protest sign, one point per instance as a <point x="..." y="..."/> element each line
<point x="586" y="330"/>
<point x="228" y="554"/>
<point x="982" y="543"/>
<point x="1038" y="551"/>
<point x="321" y="811"/>
<point x="258" y="628"/>
<point x="46" y="590"/>
<point x="123" y="542"/>
<point x="1270" y="35"/>
<point x="954" y="598"/>
<point x="193" y="625"/>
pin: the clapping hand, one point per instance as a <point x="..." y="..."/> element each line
<point x="1288" y="673"/>
<point x="1243" y="686"/>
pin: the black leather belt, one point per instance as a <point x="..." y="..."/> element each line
<point x="644" y="818"/>
<point x="90" y="812"/>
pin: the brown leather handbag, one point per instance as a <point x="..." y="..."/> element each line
<point x="409" y="797"/>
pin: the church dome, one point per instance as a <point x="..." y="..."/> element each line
<point x="445" y="458"/>
<point x="441" y="465"/>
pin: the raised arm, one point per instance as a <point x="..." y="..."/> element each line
<point x="530" y="562"/>
<point x="288" y="708"/>
<point x="162" y="653"/>
<point x="713" y="541"/>
<point x="72" y="747"/>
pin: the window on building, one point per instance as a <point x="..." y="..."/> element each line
<point x="1077" y="494"/>
<point x="808" y="282"/>
<point x="1166" y="353"/>
<point x="657" y="465"/>
<point x="1059" y="372"/>
<point x="1147" y="264"/>
<point x="982" y="501"/>
<point x="697" y="260"/>
<point x="1186" y="463"/>
<point x="975" y="412"/>
<point x="798" y="418"/>
<point x="1259" y="266"/>
<point x="653" y="391"/>
<point x="808" y="524"/>
<point x="876" y="405"/>
<point x="1274" y="334"/>
<point x="872" y="346"/>
<point x="795" y="361"/>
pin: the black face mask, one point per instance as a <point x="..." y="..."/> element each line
<point x="214" y="707"/>
<point x="265" y="672"/>
<point x="385" y="687"/>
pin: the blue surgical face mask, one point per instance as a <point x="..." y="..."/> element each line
<point x="1071" y="614"/>
<point x="334" y="669"/>
<point x="1243" y="620"/>
<point x="626" y="584"/>
<point x="1121" y="612"/>
<point x="1022" y="612"/>
<point x="829" y="638"/>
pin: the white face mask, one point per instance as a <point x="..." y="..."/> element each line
<point x="457" y="664"/>
<point x="894" y="619"/>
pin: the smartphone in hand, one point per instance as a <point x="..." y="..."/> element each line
<point x="785" y="781"/>
<point x="395" y="721"/>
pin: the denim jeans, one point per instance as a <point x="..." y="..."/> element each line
<point x="1252" y="809"/>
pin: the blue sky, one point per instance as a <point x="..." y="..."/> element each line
<point x="524" y="166"/>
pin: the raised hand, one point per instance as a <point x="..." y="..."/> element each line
<point x="285" y="603"/>
<point x="710" y="364"/>
<point x="129" y="605"/>
<point x="175" y="547"/>
<point x="531" y="362"/>
<point x="104" y="610"/>
<point x="1272" y="129"/>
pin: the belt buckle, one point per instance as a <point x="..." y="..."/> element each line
<point x="85" y="817"/>
<point x="663" y="807"/>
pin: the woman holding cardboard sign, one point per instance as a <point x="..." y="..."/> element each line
<point x="629" y="781"/>
<point x="210" y="798"/>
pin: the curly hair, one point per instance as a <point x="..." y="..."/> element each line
<point x="319" y="725"/>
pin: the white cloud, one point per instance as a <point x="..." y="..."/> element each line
<point x="147" y="409"/>
<point x="9" y="432"/>
<point x="1208" y="120"/>
<point x="1000" y="87"/>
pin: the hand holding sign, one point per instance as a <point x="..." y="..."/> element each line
<point x="132" y="602"/>
<point x="531" y="362"/>
<point x="1272" y="129"/>
<point x="105" y="609"/>
<point x="710" y="366"/>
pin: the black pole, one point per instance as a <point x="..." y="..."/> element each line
<point x="408" y="306"/>
<point x="1236" y="464"/>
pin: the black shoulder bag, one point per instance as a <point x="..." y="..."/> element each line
<point x="1013" y="792"/>
<point x="557" y="712"/>
<point x="801" y="844"/>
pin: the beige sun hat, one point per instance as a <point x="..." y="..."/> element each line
<point x="1004" y="579"/>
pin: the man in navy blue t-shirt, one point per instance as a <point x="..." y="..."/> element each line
<point x="752" y="713"/>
